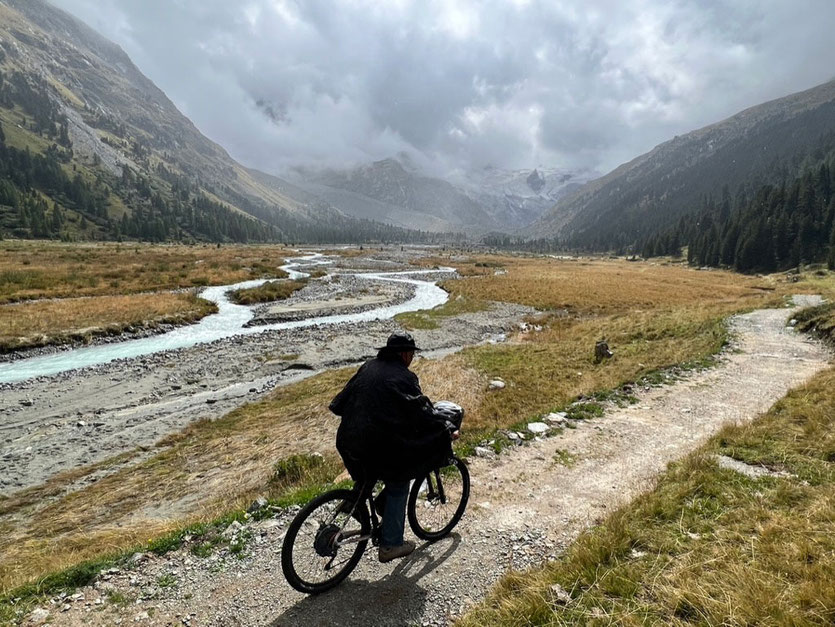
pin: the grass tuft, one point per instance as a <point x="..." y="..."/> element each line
<point x="267" y="292"/>
<point x="428" y="318"/>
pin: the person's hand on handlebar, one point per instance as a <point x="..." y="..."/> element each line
<point x="455" y="434"/>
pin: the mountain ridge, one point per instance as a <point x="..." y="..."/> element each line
<point x="757" y="145"/>
<point x="111" y="156"/>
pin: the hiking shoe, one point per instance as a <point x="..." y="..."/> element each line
<point x="388" y="553"/>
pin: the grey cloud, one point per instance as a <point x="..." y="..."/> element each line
<point x="461" y="84"/>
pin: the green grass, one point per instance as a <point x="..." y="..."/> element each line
<point x="564" y="458"/>
<point x="708" y="546"/>
<point x="584" y="411"/>
<point x="429" y="318"/>
<point x="819" y="321"/>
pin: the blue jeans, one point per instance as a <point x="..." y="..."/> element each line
<point x="394" y="515"/>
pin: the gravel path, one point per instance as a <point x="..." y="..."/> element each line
<point x="526" y="506"/>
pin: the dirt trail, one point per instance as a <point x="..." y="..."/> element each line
<point x="525" y="507"/>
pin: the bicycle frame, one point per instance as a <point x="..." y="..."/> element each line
<point x="367" y="500"/>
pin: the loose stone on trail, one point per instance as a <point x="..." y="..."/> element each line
<point x="538" y="428"/>
<point x="559" y="418"/>
<point x="258" y="504"/>
<point x="232" y="530"/>
<point x="39" y="616"/>
<point x="481" y="451"/>
<point x="496" y="384"/>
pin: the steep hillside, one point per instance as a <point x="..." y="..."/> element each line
<point x="764" y="144"/>
<point x="92" y="149"/>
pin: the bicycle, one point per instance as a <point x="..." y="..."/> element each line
<point x="327" y="538"/>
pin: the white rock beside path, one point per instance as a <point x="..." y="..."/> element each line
<point x="484" y="452"/>
<point x="538" y="428"/>
<point x="559" y="418"/>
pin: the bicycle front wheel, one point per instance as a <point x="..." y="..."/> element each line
<point x="438" y="500"/>
<point x="325" y="541"/>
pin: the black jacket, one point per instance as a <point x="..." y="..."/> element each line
<point x="388" y="428"/>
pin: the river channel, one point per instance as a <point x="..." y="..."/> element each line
<point x="229" y="321"/>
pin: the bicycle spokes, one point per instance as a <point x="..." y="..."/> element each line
<point x="437" y="502"/>
<point x="325" y="542"/>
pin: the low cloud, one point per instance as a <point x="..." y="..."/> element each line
<point x="460" y="84"/>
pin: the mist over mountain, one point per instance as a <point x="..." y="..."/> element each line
<point x="395" y="191"/>
<point x="92" y="149"/>
<point x="765" y="144"/>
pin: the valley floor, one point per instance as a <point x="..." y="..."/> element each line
<point x="527" y="505"/>
<point x="83" y="417"/>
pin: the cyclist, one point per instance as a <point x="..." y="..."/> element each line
<point x="389" y="431"/>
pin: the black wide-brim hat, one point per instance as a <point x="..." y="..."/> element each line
<point x="400" y="342"/>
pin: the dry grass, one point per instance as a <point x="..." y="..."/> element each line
<point x="708" y="546"/>
<point x="26" y="325"/>
<point x="199" y="473"/>
<point x="651" y="318"/>
<point x="32" y="270"/>
<point x="594" y="287"/>
<point x="429" y="318"/>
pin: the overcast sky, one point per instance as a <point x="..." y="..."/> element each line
<point x="461" y="84"/>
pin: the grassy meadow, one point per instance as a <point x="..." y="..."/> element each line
<point x="54" y="293"/>
<point x="653" y="315"/>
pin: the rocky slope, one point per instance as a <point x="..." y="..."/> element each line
<point x="389" y="191"/>
<point x="75" y="98"/>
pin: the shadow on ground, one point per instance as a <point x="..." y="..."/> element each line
<point x="394" y="599"/>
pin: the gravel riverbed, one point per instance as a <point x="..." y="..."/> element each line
<point x="56" y="423"/>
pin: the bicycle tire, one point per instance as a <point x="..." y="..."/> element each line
<point x="425" y="495"/>
<point x="316" y="545"/>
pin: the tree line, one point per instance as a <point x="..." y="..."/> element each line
<point x="778" y="227"/>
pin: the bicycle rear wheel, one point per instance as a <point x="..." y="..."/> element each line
<point x="325" y="542"/>
<point x="438" y="500"/>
